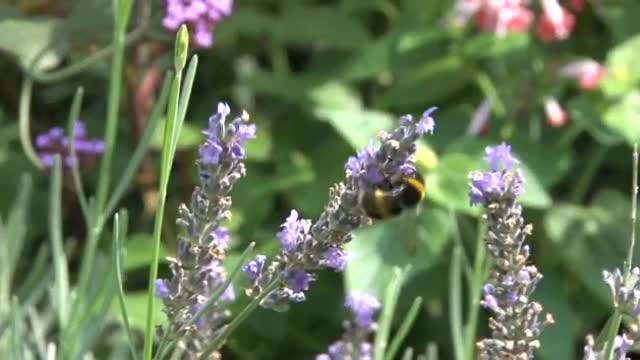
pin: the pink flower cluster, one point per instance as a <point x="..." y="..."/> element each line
<point x="554" y="23"/>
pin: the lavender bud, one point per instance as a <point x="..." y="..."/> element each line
<point x="55" y="142"/>
<point x="515" y="323"/>
<point x="200" y="16"/>
<point x="202" y="243"/>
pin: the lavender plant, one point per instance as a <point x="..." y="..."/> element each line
<point x="197" y="269"/>
<point x="625" y="292"/>
<point x="516" y="322"/>
<point x="306" y="247"/>
<point x="201" y="16"/>
<point x="354" y="343"/>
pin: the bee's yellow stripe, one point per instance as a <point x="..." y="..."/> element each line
<point x="381" y="203"/>
<point x="418" y="185"/>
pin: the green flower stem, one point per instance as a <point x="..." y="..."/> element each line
<point x="123" y="10"/>
<point x="171" y="131"/>
<point x="595" y="159"/>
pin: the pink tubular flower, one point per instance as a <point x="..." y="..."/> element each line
<point x="588" y="73"/>
<point x="556" y="23"/>
<point x="504" y="16"/>
<point x="556" y="116"/>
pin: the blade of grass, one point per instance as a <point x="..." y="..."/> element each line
<point x="38" y="332"/>
<point x="480" y="271"/>
<point x="389" y="305"/>
<point x="455" y="304"/>
<point x="171" y="131"/>
<point x="36" y="282"/>
<point x="12" y="237"/>
<point x="74" y="114"/>
<point x="122" y="11"/>
<point x="119" y="232"/>
<point x="55" y="233"/>
<point x="233" y="274"/>
<point x="408" y="321"/>
<point x="141" y="148"/>
<point x="185" y="95"/>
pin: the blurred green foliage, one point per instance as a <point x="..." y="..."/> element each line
<point x="320" y="79"/>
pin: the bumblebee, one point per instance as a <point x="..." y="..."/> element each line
<point x="391" y="199"/>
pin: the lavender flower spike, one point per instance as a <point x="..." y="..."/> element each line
<point x="55" y="142"/>
<point x="306" y="247"/>
<point x="201" y="16"/>
<point x="354" y="343"/>
<point x="197" y="268"/>
<point x="516" y="323"/>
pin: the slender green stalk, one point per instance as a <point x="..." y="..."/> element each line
<point x="119" y="232"/>
<point x="242" y="315"/>
<point x="24" y="110"/>
<point x="455" y="304"/>
<point x="141" y="149"/>
<point x="389" y="305"/>
<point x="404" y="329"/>
<point x="55" y="233"/>
<point x="171" y="132"/>
<point x="480" y="269"/>
<point x="74" y="113"/>
<point x="122" y="9"/>
<point x="634" y="210"/>
<point x="610" y="334"/>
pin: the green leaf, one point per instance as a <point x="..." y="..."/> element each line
<point x="416" y="240"/>
<point x="552" y="294"/>
<point x="616" y="16"/>
<point x="136" y="303"/>
<point x="586" y="114"/>
<point x="592" y="238"/>
<point x="534" y="196"/>
<point x="310" y="25"/>
<point x="29" y="37"/>
<point x="622" y="117"/>
<point x="624" y="73"/>
<point x="190" y="137"/>
<point x="428" y="84"/>
<point x="448" y="185"/>
<point x="487" y="45"/>
<point x="137" y="252"/>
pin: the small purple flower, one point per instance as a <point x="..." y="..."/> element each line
<point x="363" y="306"/>
<point x="55" y="142"/>
<point x="491" y="185"/>
<point x="334" y="258"/>
<point x="426" y="124"/>
<point x="354" y="343"/>
<point x="219" y="237"/>
<point x="201" y="17"/>
<point x="292" y="230"/>
<point x="500" y="155"/>
<point x="162" y="288"/>
<point x="254" y="267"/>
<point x="298" y="281"/>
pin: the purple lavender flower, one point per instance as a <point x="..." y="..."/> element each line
<point x="354" y="343"/>
<point x="515" y="322"/>
<point x="198" y="270"/>
<point x="307" y="246"/>
<point x="201" y="17"/>
<point x="55" y="142"/>
<point x="622" y="344"/>
<point x="363" y="306"/>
